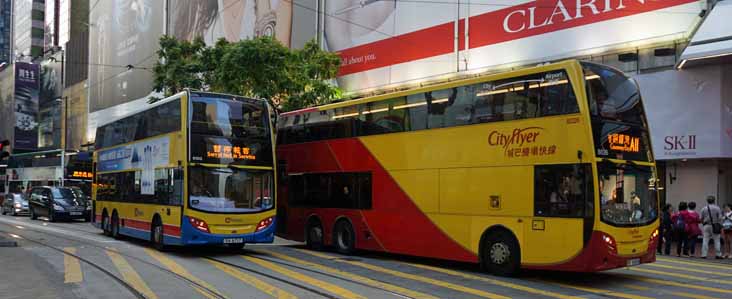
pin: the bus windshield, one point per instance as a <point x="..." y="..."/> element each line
<point x="230" y="190"/>
<point x="627" y="194"/>
<point x="619" y="125"/>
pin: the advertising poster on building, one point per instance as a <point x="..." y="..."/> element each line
<point x="231" y="19"/>
<point x="27" y="81"/>
<point x="124" y="32"/>
<point x="145" y="155"/>
<point x="50" y="108"/>
<point x="391" y="42"/>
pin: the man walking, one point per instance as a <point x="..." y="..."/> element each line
<point x="712" y="227"/>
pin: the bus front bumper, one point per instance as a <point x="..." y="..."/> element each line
<point x="598" y="255"/>
<point x="193" y="236"/>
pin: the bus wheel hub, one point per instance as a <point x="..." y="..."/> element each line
<point x="499" y="253"/>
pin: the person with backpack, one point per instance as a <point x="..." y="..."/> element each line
<point x="665" y="230"/>
<point x="693" y="231"/>
<point x="712" y="223"/>
<point x="679" y="230"/>
<point x="727" y="231"/>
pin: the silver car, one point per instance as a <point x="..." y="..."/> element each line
<point x="15" y="204"/>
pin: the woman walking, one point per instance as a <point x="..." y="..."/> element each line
<point x="727" y="231"/>
<point x="679" y="230"/>
<point x="693" y="231"/>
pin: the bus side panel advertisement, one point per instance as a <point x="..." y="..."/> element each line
<point x="145" y="156"/>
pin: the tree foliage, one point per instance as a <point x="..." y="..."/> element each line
<point x="260" y="67"/>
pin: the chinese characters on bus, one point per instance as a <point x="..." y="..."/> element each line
<point x="521" y="143"/>
<point x="230" y="152"/>
<point x="624" y="143"/>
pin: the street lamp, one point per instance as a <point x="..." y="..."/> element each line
<point x="64" y="140"/>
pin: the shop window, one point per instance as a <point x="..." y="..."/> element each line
<point x="563" y="191"/>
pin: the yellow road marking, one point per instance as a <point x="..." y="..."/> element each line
<point x="700" y="264"/>
<point x="681" y="285"/>
<point x="597" y="291"/>
<point x="408" y="276"/>
<point x="351" y="276"/>
<point x="178" y="269"/>
<point x="341" y="292"/>
<point x="680" y="294"/>
<point x="688" y="269"/>
<point x="494" y="281"/>
<point x="72" y="273"/>
<point x="130" y="275"/>
<point x="253" y="281"/>
<point x="684" y="276"/>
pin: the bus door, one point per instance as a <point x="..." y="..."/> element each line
<point x="563" y="206"/>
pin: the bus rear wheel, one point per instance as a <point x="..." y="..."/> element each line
<point x="344" y="237"/>
<point x="500" y="253"/>
<point x="314" y="237"/>
<point x="114" y="230"/>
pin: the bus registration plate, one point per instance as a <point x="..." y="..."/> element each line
<point x="633" y="262"/>
<point x="233" y="240"/>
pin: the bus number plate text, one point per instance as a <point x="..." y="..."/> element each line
<point x="233" y="241"/>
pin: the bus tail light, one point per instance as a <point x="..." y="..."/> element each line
<point x="265" y="223"/>
<point x="610" y="242"/>
<point x="199" y="224"/>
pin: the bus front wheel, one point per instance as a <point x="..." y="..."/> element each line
<point x="500" y="253"/>
<point x="105" y="224"/>
<point x="344" y="237"/>
<point x="314" y="238"/>
<point x="157" y="236"/>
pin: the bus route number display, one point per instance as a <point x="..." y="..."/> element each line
<point x="218" y="151"/>
<point x="624" y="143"/>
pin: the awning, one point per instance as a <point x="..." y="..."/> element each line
<point x="712" y="43"/>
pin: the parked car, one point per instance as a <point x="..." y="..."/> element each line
<point x="15" y="204"/>
<point x="58" y="203"/>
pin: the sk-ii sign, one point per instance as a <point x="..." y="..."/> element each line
<point x="680" y="145"/>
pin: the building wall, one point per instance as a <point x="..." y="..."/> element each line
<point x="5" y="29"/>
<point x="76" y="121"/>
<point x="28" y="26"/>
<point x="691" y="180"/>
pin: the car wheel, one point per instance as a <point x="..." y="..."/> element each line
<point x="344" y="237"/>
<point x="51" y="217"/>
<point x="501" y="254"/>
<point x="33" y="215"/>
<point x="105" y="225"/>
<point x="158" y="236"/>
<point x="314" y="238"/>
<point x="3" y="210"/>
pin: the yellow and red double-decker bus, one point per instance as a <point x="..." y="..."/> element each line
<point x="195" y="168"/>
<point x="547" y="167"/>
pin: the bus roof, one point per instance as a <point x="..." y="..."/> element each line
<point x="479" y="78"/>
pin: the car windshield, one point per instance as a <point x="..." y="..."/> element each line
<point x="230" y="190"/>
<point x="67" y="196"/>
<point x="19" y="198"/>
<point x="627" y="194"/>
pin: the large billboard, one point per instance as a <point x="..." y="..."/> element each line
<point x="384" y="43"/>
<point x="7" y="109"/>
<point x="230" y="19"/>
<point x="122" y="33"/>
<point x="27" y="83"/>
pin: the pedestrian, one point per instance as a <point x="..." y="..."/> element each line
<point x="693" y="230"/>
<point x="679" y="230"/>
<point x="727" y="230"/>
<point x="712" y="224"/>
<point x="666" y="230"/>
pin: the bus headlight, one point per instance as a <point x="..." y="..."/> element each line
<point x="610" y="242"/>
<point x="264" y="223"/>
<point x="199" y="224"/>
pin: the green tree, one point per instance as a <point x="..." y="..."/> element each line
<point x="260" y="67"/>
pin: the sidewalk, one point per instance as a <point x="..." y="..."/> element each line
<point x="697" y="256"/>
<point x="25" y="275"/>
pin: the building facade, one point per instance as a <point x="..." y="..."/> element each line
<point x="6" y="23"/>
<point x="28" y="31"/>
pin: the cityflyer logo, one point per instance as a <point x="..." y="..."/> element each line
<point x="521" y="142"/>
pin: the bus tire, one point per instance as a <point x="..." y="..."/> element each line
<point x="500" y="253"/>
<point x="344" y="237"/>
<point x="114" y="228"/>
<point x="105" y="224"/>
<point x="314" y="235"/>
<point x="156" y="235"/>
